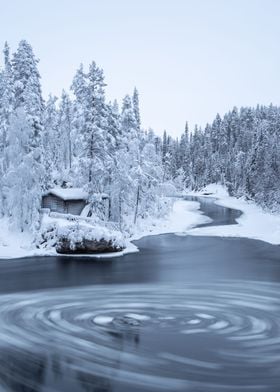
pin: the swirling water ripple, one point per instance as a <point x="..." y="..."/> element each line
<point x="198" y="337"/>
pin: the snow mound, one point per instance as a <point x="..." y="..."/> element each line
<point x="77" y="233"/>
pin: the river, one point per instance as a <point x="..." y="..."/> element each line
<point x="184" y="314"/>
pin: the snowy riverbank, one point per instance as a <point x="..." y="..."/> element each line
<point x="15" y="244"/>
<point x="183" y="216"/>
<point x="254" y="223"/>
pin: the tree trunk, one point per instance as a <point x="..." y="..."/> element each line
<point x="90" y="159"/>
<point x="137" y="203"/>
<point x="120" y="212"/>
<point x="70" y="152"/>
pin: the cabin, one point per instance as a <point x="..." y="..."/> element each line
<point x="65" y="200"/>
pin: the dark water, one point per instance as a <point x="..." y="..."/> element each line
<point x="220" y="216"/>
<point x="184" y="314"/>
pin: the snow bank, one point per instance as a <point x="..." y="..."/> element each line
<point x="254" y="223"/>
<point x="183" y="216"/>
<point x="13" y="244"/>
<point x="77" y="233"/>
<point x="75" y="230"/>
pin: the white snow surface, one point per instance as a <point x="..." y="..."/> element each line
<point x="69" y="193"/>
<point x="183" y="216"/>
<point x="14" y="244"/>
<point x="254" y="223"/>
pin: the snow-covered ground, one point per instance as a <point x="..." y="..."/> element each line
<point x="13" y="244"/>
<point x="183" y="216"/>
<point x="254" y="223"/>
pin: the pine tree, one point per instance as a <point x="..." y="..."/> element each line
<point x="24" y="176"/>
<point x="27" y="88"/>
<point x="135" y="100"/>
<point x="90" y="99"/>
<point x="65" y="128"/>
<point x="6" y="104"/>
<point x="128" y="120"/>
<point x="51" y="143"/>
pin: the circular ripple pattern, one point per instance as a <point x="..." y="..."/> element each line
<point x="216" y="337"/>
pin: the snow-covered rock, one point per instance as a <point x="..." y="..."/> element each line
<point x="84" y="239"/>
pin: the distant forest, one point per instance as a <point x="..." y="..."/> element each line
<point x="84" y="141"/>
<point x="240" y="150"/>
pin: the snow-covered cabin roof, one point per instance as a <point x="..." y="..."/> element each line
<point x="68" y="193"/>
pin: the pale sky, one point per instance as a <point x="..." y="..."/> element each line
<point x="188" y="58"/>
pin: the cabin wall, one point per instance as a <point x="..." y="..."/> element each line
<point x="74" y="207"/>
<point x="55" y="204"/>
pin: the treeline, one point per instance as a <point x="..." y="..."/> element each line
<point x="240" y="150"/>
<point x="83" y="141"/>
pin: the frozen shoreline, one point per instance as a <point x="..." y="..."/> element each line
<point x="254" y="223"/>
<point x="183" y="216"/>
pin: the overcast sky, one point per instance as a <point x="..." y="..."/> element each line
<point x="188" y="58"/>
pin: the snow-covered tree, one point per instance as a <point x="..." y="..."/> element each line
<point x="24" y="178"/>
<point x="27" y="88"/>
<point x="65" y="130"/>
<point x="92" y="126"/>
<point x="51" y="142"/>
<point x="135" y="100"/>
